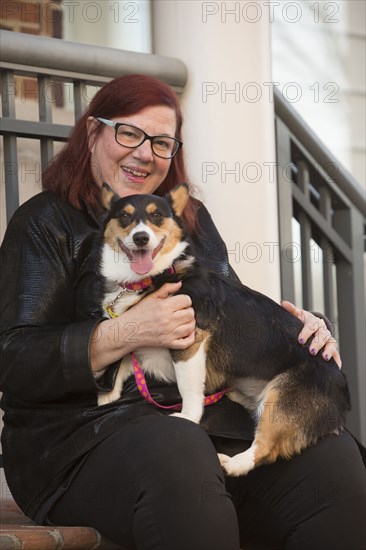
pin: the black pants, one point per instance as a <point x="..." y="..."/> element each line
<point x="157" y="484"/>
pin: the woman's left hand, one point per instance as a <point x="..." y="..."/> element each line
<point x="316" y="328"/>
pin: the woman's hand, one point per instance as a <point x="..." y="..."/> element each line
<point x="164" y="319"/>
<point x="316" y="328"/>
<point x="159" y="320"/>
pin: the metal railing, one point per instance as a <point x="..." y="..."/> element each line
<point x="329" y="206"/>
<point x="313" y="188"/>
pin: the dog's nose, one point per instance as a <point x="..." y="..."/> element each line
<point x="141" y="238"/>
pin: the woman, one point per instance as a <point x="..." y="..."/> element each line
<point x="142" y="478"/>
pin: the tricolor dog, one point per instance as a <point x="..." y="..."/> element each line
<point x="295" y="398"/>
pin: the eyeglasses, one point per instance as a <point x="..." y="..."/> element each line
<point x="130" y="136"/>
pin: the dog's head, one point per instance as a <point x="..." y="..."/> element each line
<point x="143" y="234"/>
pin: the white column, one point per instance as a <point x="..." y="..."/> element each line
<point x="229" y="124"/>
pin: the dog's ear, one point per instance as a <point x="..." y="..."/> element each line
<point x="179" y="197"/>
<point x="108" y="196"/>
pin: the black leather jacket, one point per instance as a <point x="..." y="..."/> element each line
<point x="48" y="315"/>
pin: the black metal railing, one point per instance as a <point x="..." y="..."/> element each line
<point x="316" y="192"/>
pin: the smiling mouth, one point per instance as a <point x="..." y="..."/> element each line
<point x="141" y="260"/>
<point x="136" y="173"/>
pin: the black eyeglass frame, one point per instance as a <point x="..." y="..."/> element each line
<point x="116" y="125"/>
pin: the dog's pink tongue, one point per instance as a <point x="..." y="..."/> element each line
<point x="142" y="262"/>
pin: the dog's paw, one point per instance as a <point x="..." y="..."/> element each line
<point x="236" y="396"/>
<point x="186" y="416"/>
<point x="238" y="465"/>
<point x="108" y="397"/>
<point x="224" y="459"/>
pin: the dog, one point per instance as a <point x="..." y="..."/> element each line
<point x="295" y="398"/>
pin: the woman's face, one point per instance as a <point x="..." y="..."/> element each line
<point x="131" y="171"/>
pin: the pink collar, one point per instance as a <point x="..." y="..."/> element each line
<point x="143" y="389"/>
<point x="144" y="283"/>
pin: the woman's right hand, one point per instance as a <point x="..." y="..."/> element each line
<point x="162" y="319"/>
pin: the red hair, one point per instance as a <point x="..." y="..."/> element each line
<point x="69" y="173"/>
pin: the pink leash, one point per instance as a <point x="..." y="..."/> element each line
<point x="143" y="389"/>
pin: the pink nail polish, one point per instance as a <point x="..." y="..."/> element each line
<point x="313" y="351"/>
<point x="301" y="340"/>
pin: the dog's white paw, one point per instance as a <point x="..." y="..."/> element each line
<point x="186" y="416"/>
<point x="108" y="397"/>
<point x="235" y="395"/>
<point x="224" y="459"/>
<point x="238" y="465"/>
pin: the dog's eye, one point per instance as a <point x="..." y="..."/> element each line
<point x="125" y="218"/>
<point x="156" y="216"/>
